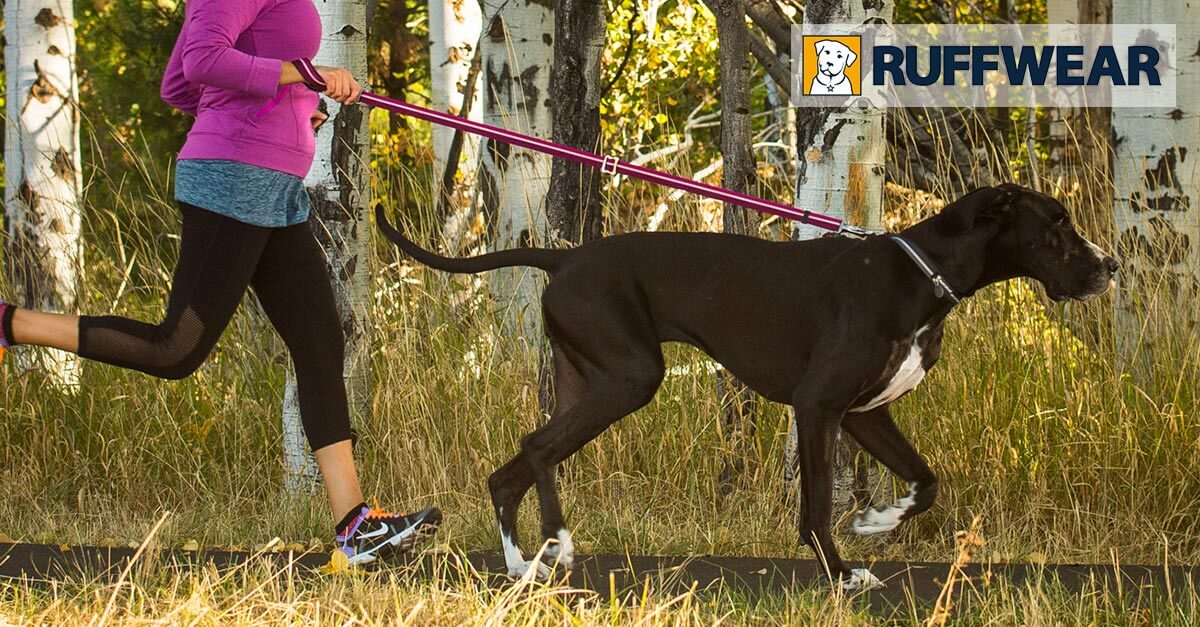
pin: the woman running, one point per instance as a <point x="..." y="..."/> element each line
<point x="239" y="182"/>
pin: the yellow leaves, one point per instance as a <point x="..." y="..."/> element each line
<point x="338" y="564"/>
<point x="191" y="546"/>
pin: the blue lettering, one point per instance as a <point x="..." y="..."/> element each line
<point x="1030" y="63"/>
<point x="914" y="72"/>
<point x="953" y="63"/>
<point x="1143" y="60"/>
<point x="1106" y="65"/>
<point x="887" y="59"/>
<point x="1069" y="58"/>
<point x="982" y="61"/>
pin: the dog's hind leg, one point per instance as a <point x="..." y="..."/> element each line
<point x="877" y="433"/>
<point x="508" y="485"/>
<point x="609" y="395"/>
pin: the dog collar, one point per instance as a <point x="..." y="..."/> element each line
<point x="940" y="287"/>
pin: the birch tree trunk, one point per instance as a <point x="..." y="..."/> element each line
<point x="573" y="202"/>
<point x="517" y="54"/>
<point x="338" y="186"/>
<point x="1157" y="198"/>
<point x="840" y="173"/>
<point x="454" y="28"/>
<point x="738" y="174"/>
<point x="43" y="181"/>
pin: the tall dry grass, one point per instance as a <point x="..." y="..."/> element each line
<point x="1030" y="419"/>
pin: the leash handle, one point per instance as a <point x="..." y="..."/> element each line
<point x="308" y="73"/>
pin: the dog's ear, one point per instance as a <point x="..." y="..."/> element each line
<point x="981" y="204"/>
<point x="821" y="45"/>
<point x="850" y="57"/>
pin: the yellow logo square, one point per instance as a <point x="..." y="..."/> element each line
<point x="832" y="65"/>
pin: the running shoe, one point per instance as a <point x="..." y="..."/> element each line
<point x="370" y="533"/>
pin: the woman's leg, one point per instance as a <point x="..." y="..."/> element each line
<point x="39" y="328"/>
<point x="217" y="258"/>
<point x="292" y="283"/>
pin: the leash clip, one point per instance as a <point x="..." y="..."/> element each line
<point x="856" y="231"/>
<point x="609" y="165"/>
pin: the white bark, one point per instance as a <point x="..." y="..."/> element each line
<point x="840" y="172"/>
<point x="1157" y="195"/>
<point x="339" y="187"/>
<point x="43" y="181"/>
<point x="518" y="51"/>
<point x="454" y="27"/>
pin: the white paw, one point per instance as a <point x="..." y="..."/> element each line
<point x="861" y="579"/>
<point x="870" y="521"/>
<point x="533" y="570"/>
<point x="560" y="551"/>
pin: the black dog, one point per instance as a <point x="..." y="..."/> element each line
<point x="837" y="327"/>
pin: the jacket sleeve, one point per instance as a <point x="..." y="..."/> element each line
<point x="207" y="54"/>
<point x="177" y="90"/>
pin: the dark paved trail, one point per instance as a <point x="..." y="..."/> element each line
<point x="906" y="582"/>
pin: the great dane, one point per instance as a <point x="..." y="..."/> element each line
<point x="839" y="328"/>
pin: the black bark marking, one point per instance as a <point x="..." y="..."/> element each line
<point x="496" y="29"/>
<point x="63" y="165"/>
<point x="54" y="51"/>
<point x="1163" y="191"/>
<point x="349" y="31"/>
<point x="42" y="89"/>
<point x="47" y="19"/>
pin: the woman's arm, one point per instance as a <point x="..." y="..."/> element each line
<point x="340" y="84"/>
<point x="176" y="90"/>
<point x="208" y="54"/>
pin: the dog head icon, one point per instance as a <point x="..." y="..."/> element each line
<point x="833" y="57"/>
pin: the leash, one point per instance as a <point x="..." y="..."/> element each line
<point x="941" y="288"/>
<point x="609" y="164"/>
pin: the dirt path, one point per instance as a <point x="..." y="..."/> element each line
<point x="907" y="583"/>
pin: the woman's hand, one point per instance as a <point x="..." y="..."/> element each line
<point x="318" y="118"/>
<point x="340" y="84"/>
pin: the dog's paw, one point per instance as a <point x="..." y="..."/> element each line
<point x="533" y="570"/>
<point x="861" y="579"/>
<point x="560" y="552"/>
<point x="871" y="521"/>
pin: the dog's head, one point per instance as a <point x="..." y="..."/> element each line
<point x="833" y="57"/>
<point x="1030" y="234"/>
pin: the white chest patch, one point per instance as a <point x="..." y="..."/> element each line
<point x="907" y="376"/>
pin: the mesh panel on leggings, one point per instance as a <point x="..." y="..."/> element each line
<point x="172" y="348"/>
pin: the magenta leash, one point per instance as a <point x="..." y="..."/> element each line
<point x="607" y="164"/>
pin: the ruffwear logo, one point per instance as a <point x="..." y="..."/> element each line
<point x="984" y="65"/>
<point x="831" y="66"/>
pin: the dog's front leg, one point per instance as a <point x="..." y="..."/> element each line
<point x="817" y="429"/>
<point x="877" y="433"/>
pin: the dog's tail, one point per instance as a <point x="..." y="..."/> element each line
<point x="545" y="258"/>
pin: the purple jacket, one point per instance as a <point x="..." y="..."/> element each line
<point x="225" y="71"/>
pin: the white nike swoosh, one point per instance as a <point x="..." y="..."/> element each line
<point x="378" y="532"/>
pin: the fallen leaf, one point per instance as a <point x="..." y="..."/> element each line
<point x="64" y="547"/>
<point x="191" y="545"/>
<point x="338" y="564"/>
<point x="6" y="539"/>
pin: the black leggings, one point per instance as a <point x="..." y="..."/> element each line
<point x="218" y="258"/>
